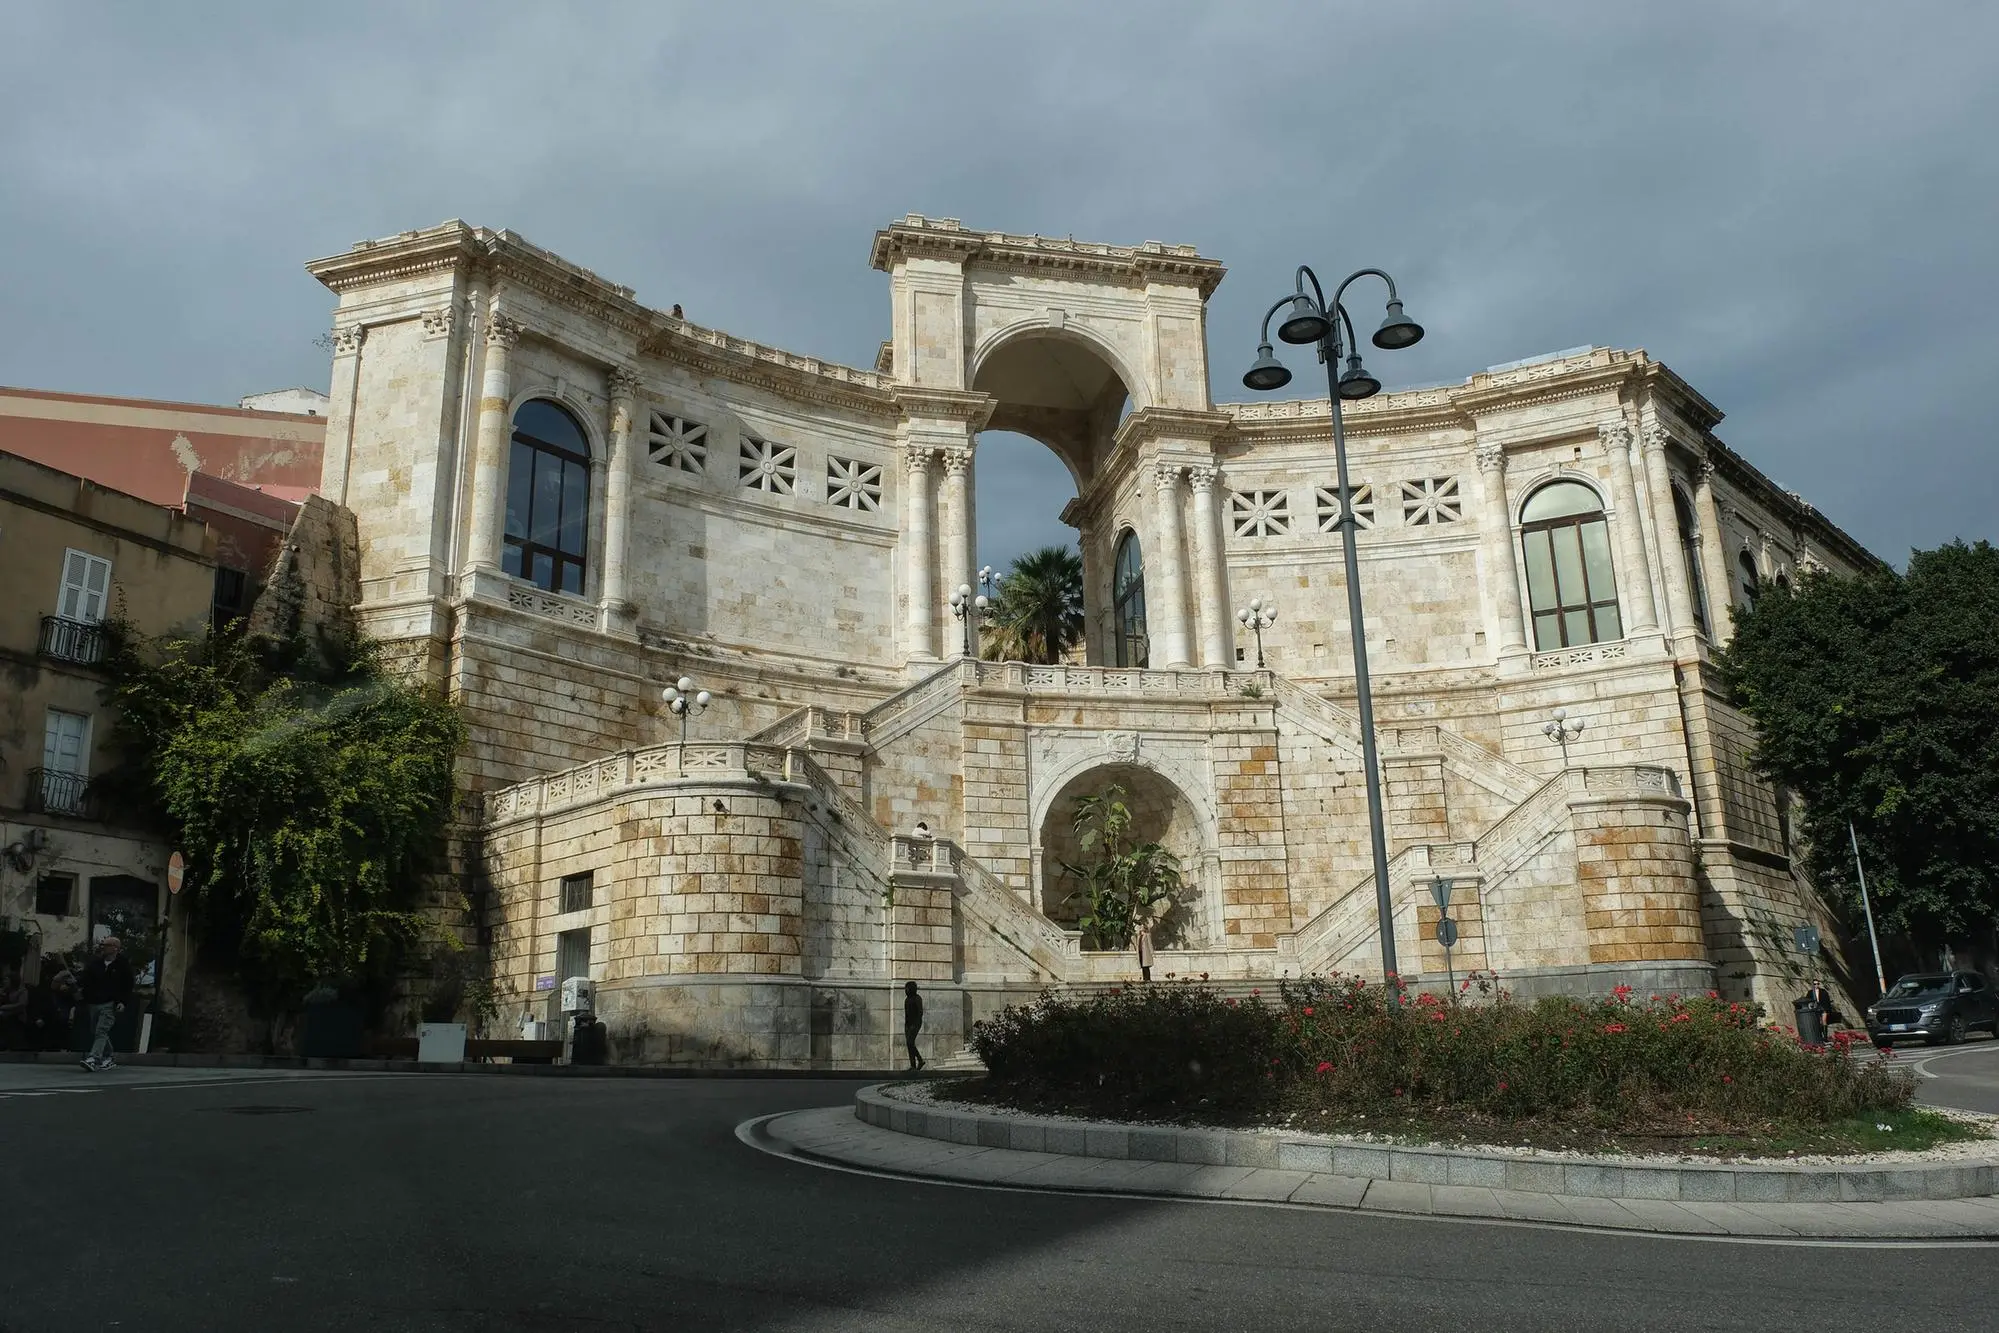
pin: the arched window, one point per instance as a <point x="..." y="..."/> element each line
<point x="1690" y="555"/>
<point x="1128" y="602"/>
<point x="1783" y="581"/>
<point x="1570" y="584"/>
<point x="1752" y="583"/>
<point x="548" y="499"/>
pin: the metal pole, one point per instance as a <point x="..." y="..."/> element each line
<point x="1329" y="348"/>
<point x="1867" y="907"/>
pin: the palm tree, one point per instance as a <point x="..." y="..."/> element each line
<point x="1038" y="615"/>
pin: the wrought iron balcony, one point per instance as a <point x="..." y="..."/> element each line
<point x="78" y="641"/>
<point x="55" y="793"/>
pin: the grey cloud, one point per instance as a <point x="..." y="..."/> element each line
<point x="1790" y="203"/>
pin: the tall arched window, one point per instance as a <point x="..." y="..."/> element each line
<point x="1128" y="602"/>
<point x="1752" y="582"/>
<point x="1570" y="584"/>
<point x="548" y="499"/>
<point x="1690" y="556"/>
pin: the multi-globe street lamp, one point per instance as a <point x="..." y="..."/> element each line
<point x="968" y="609"/>
<point x="1563" y="730"/>
<point x="683" y="699"/>
<point x="1313" y="319"/>
<point x="1258" y="616"/>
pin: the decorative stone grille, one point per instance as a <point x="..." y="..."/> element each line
<point x="677" y="444"/>
<point x="537" y="602"/>
<point x="852" y="484"/>
<point x="1260" y="513"/>
<point x="772" y="468"/>
<point x="1328" y="498"/>
<point x="1431" y="501"/>
<point x="1571" y="657"/>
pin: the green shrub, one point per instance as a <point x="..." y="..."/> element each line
<point x="1340" y="1047"/>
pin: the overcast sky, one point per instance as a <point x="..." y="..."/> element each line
<point x="1792" y="204"/>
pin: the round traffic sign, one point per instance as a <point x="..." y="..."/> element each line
<point x="1447" y="932"/>
<point x="176" y="872"/>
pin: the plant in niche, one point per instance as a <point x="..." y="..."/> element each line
<point x="1252" y="691"/>
<point x="1123" y="881"/>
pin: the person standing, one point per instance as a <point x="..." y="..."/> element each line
<point x="1144" y="951"/>
<point x="912" y="1023"/>
<point x="107" y="988"/>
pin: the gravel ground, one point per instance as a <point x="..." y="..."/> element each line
<point x="921" y="1094"/>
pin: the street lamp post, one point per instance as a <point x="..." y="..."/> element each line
<point x="684" y="699"/>
<point x="1314" y="320"/>
<point x="1563" y="730"/>
<point x="968" y="609"/>
<point x="1259" y="617"/>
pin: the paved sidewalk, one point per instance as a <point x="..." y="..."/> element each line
<point x="835" y="1136"/>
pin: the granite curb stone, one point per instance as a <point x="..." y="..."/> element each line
<point x="1659" y="1182"/>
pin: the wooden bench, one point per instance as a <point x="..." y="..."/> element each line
<point x="521" y="1052"/>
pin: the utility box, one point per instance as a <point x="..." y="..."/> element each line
<point x="440" y="1043"/>
<point x="533" y="1029"/>
<point x="579" y="996"/>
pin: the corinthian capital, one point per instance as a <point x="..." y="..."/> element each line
<point x="957" y="462"/>
<point x="1201" y="477"/>
<point x="1491" y="457"/>
<point x="1656" y="438"/>
<point x="1167" y="475"/>
<point x="438" y="323"/>
<point x="502" y="331"/>
<point x="917" y="458"/>
<point x="621" y="382"/>
<point x="1614" y="434"/>
<point x="347" y="339"/>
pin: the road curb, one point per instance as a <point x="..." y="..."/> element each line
<point x="1607" y="1178"/>
<point x="173" y="1061"/>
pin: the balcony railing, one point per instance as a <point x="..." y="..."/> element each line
<point x="55" y="793"/>
<point x="78" y="641"/>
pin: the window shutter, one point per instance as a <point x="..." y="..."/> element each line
<point x="86" y="579"/>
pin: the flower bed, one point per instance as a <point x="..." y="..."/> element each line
<point x="1690" y="1073"/>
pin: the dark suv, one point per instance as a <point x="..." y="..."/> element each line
<point x="1939" y="1007"/>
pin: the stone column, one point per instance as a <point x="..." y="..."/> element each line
<point x="954" y="545"/>
<point x="1714" y="559"/>
<point x="1666" y="521"/>
<point x="489" y="459"/>
<point x="615" y="605"/>
<point x="1496" y="542"/>
<point x="1211" y="575"/>
<point x="1168" y="616"/>
<point x="918" y="557"/>
<point x="337" y="466"/>
<point x="1635" y="590"/>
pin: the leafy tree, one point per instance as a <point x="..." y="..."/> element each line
<point x="308" y="791"/>
<point x="1122" y="881"/>
<point x="1038" y="615"/>
<point x="1877" y="700"/>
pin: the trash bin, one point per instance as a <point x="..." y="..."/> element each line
<point x="1811" y="1021"/>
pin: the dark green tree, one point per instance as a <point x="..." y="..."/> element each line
<point x="1123" y="880"/>
<point x="309" y="793"/>
<point x="1876" y="699"/>
<point x="1038" y="615"/>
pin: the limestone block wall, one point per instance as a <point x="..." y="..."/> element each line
<point x="1256" y="899"/>
<point x="921" y="776"/>
<point x="731" y="885"/>
<point x="1534" y="918"/>
<point x="1325" y="821"/>
<point x="1635" y="872"/>
<point x="996" y="828"/>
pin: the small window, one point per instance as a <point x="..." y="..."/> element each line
<point x="1752" y="583"/>
<point x="576" y="892"/>
<point x="232" y="598"/>
<point x="1260" y="513"/>
<point x="1128" y="603"/>
<point x="572" y="955"/>
<point x="55" y="895"/>
<point x="86" y="582"/>
<point x="1690" y="557"/>
<point x="66" y="742"/>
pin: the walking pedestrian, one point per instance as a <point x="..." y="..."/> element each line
<point x="107" y="988"/>
<point x="912" y="1023"/>
<point x="1145" y="951"/>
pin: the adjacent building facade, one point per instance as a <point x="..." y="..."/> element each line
<point x="566" y="500"/>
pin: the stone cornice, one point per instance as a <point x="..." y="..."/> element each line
<point x="916" y="236"/>
<point x="784" y="373"/>
<point x="1171" y="423"/>
<point x="972" y="408"/>
<point x="1785" y="507"/>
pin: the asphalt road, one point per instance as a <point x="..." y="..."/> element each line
<point x="1964" y="1076"/>
<point x="454" y="1202"/>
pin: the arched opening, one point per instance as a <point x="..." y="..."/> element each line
<point x="1752" y="582"/>
<point x="1690" y="557"/>
<point x="1128" y="602"/>
<point x="548" y="499"/>
<point x="1161" y="814"/>
<point x="1571" y="586"/>
<point x="1052" y="387"/>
